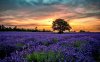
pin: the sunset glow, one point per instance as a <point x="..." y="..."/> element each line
<point x="32" y="13"/>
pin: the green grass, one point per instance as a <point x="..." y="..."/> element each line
<point x="55" y="40"/>
<point x="79" y="44"/>
<point x="46" y="43"/>
<point x="65" y="45"/>
<point x="19" y="44"/>
<point x="43" y="57"/>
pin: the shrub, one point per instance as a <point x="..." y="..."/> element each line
<point x="43" y="57"/>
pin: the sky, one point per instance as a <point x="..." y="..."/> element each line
<point x="80" y="14"/>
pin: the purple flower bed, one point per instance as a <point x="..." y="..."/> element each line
<point x="49" y="47"/>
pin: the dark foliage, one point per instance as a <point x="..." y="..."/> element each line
<point x="82" y="31"/>
<point x="61" y="25"/>
<point x="6" y="50"/>
<point x="4" y="28"/>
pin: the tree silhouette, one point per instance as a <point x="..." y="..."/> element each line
<point x="36" y="29"/>
<point x="5" y="28"/>
<point x="81" y="31"/>
<point x="60" y="25"/>
<point x="15" y="28"/>
<point x="43" y="30"/>
<point x="2" y="27"/>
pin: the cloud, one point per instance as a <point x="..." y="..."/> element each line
<point x="15" y="4"/>
<point x="43" y="12"/>
<point x="34" y="12"/>
<point x="25" y="25"/>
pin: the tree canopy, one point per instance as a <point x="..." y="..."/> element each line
<point x="61" y="25"/>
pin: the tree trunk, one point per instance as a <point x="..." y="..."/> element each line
<point x="60" y="32"/>
<point x="69" y="30"/>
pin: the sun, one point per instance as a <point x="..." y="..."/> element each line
<point x="47" y="21"/>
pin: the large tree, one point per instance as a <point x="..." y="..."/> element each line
<point x="60" y="25"/>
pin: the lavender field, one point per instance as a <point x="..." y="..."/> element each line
<point x="49" y="47"/>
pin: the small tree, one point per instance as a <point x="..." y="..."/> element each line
<point x="36" y="29"/>
<point x="82" y="31"/>
<point x="0" y="27"/>
<point x="60" y="25"/>
<point x="44" y="30"/>
<point x="15" y="28"/>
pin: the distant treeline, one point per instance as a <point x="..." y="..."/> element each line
<point x="4" y="28"/>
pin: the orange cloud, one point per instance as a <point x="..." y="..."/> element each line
<point x="42" y="17"/>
